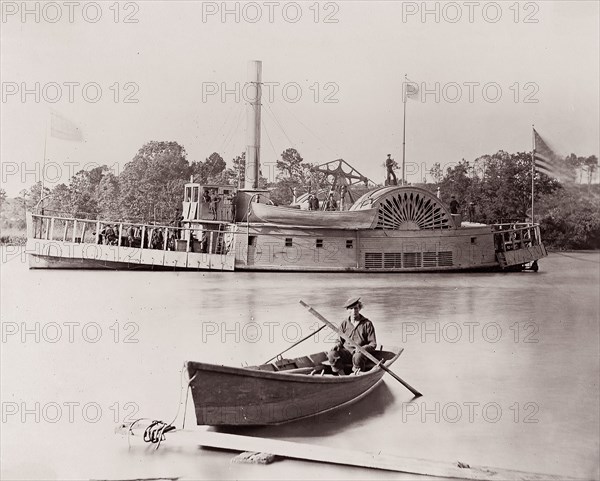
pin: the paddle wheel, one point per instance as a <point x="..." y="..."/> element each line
<point x="406" y="208"/>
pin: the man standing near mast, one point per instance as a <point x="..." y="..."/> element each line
<point x="390" y="164"/>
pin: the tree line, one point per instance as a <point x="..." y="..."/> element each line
<point x="492" y="188"/>
<point x="499" y="188"/>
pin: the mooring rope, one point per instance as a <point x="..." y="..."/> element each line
<point x="156" y="430"/>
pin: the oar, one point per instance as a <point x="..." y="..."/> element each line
<point x="365" y="353"/>
<point x="294" y="345"/>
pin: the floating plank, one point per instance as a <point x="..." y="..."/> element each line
<point x="324" y="454"/>
<point x="248" y="457"/>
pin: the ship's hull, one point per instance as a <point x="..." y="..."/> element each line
<point x="269" y="248"/>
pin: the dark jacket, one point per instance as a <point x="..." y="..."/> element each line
<point x="363" y="334"/>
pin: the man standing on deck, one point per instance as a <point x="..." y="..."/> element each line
<point x="454" y="205"/>
<point x="331" y="203"/>
<point x="360" y="330"/>
<point x="391" y="175"/>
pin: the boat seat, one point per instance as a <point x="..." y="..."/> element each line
<point x="304" y="362"/>
<point x="285" y="365"/>
<point x="318" y="358"/>
<point x="263" y="367"/>
<point x="300" y="370"/>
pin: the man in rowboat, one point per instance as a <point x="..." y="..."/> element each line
<point x="360" y="330"/>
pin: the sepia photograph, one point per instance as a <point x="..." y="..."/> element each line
<point x="266" y="240"/>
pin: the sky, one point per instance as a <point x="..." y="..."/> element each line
<point x="131" y="72"/>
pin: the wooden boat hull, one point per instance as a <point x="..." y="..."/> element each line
<point x="241" y="396"/>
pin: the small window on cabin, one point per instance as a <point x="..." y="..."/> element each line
<point x="288" y="242"/>
<point x="473" y="240"/>
<point x="188" y="194"/>
<point x="319" y="243"/>
<point x="349" y="244"/>
<point x="195" y="194"/>
<point x="252" y="240"/>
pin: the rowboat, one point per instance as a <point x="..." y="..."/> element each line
<point x="279" y="392"/>
<point x="344" y="219"/>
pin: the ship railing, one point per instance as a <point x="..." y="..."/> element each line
<point x="516" y="235"/>
<point x="214" y="239"/>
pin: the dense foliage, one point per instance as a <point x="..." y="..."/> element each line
<point x="492" y="188"/>
<point x="499" y="188"/>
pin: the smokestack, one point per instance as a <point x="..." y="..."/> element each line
<point x="253" y="124"/>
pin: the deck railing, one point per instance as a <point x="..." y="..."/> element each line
<point x="516" y="235"/>
<point x="217" y="240"/>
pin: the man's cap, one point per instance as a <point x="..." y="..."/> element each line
<point x="351" y="302"/>
<point x="453" y="196"/>
<point x="389" y="155"/>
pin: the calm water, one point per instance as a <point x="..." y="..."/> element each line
<point x="508" y="364"/>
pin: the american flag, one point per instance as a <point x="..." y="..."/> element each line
<point x="549" y="163"/>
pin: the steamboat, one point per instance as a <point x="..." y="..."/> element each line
<point x="388" y="228"/>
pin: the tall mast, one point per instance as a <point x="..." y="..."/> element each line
<point x="404" y="130"/>
<point x="532" y="170"/>
<point x="253" y="126"/>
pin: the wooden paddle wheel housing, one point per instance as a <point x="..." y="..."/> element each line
<point x="406" y="208"/>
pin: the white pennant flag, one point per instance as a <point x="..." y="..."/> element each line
<point x="64" y="129"/>
<point x="411" y="89"/>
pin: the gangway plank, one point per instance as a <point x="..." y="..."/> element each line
<point x="324" y="454"/>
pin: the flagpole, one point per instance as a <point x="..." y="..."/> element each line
<point x="404" y="129"/>
<point x="44" y="164"/>
<point x="532" y="170"/>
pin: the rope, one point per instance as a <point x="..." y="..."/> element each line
<point x="327" y="146"/>
<point x="272" y="113"/>
<point x="156" y="430"/>
<point x="269" y="137"/>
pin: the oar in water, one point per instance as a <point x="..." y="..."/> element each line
<point x="365" y="353"/>
<point x="294" y="345"/>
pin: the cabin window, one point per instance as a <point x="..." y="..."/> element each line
<point x="319" y="243"/>
<point x="288" y="242"/>
<point x="252" y="240"/>
<point x="473" y="240"/>
<point x="349" y="244"/>
<point x="188" y="194"/>
<point x="194" y="194"/>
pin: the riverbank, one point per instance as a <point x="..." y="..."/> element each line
<point x="13" y="237"/>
